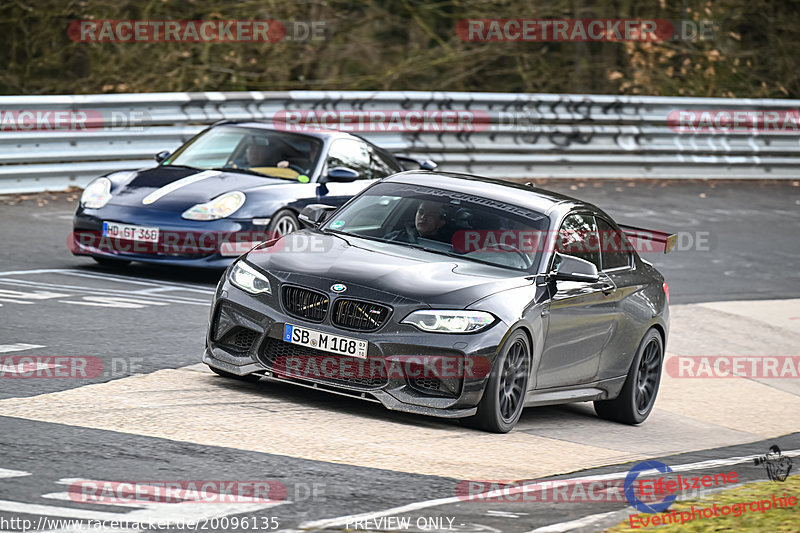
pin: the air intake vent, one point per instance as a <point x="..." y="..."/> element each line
<point x="304" y="303"/>
<point x="364" y="316"/>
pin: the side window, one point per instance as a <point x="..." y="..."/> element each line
<point x="614" y="247"/>
<point x="382" y="165"/>
<point x="578" y="238"/>
<point x="351" y="154"/>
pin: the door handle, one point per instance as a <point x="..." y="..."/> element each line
<point x="608" y="288"/>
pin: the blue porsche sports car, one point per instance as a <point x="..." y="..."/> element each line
<point x="230" y="187"/>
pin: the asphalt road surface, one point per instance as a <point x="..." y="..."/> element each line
<point x="146" y="412"/>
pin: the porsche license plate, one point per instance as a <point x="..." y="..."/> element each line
<point x="130" y="232"/>
<point x="325" y="341"/>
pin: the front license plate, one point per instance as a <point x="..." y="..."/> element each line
<point x="325" y="341"/>
<point x="130" y="232"/>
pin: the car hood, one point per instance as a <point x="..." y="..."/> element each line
<point x="181" y="187"/>
<point x="321" y="259"/>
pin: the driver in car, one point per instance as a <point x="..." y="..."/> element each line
<point x="430" y="222"/>
<point x="262" y="155"/>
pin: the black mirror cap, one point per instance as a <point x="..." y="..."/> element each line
<point x="574" y="269"/>
<point x="162" y="156"/>
<point x="342" y="174"/>
<point x="314" y="215"/>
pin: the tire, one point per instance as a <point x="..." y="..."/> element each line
<point x="110" y="262"/>
<point x="249" y="377"/>
<point x="638" y="395"/>
<point x="504" y="396"/>
<point x="284" y="222"/>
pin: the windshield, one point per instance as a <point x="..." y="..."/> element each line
<point x="445" y="222"/>
<point x="270" y="153"/>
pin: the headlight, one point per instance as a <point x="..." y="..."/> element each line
<point x="220" y="207"/>
<point x="449" y="321"/>
<point x="249" y="279"/>
<point x="96" y="194"/>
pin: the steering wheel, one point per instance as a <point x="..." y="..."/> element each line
<point x="297" y="168"/>
<point x="526" y="260"/>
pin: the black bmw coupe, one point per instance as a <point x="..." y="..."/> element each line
<point x="453" y="296"/>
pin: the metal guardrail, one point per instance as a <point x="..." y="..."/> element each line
<point x="521" y="136"/>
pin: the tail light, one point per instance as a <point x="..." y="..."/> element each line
<point x="666" y="291"/>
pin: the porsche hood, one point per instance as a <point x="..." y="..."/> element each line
<point x="166" y="187"/>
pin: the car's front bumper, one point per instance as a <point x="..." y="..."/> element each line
<point x="458" y="392"/>
<point x="203" y="244"/>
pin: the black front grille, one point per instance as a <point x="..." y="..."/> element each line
<point x="240" y="339"/>
<point x="303" y="303"/>
<point x="364" y="316"/>
<point x="301" y="362"/>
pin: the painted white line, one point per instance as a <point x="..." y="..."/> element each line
<point x="51" y="510"/>
<point x="575" y="524"/>
<point x="110" y="277"/>
<point x="5" y="348"/>
<point x="523" y="487"/>
<point x="116" y="293"/>
<point x="121" y="290"/>
<point x="193" y="509"/>
<point x="6" y="473"/>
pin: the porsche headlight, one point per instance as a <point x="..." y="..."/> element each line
<point x="447" y="321"/>
<point x="249" y="279"/>
<point x="220" y="207"/>
<point x="96" y="194"/>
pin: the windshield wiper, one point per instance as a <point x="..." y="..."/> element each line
<point x="251" y="172"/>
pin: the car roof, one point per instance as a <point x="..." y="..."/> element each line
<point x="534" y="198"/>
<point x="319" y="134"/>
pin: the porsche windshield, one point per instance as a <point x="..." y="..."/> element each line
<point x="271" y="153"/>
<point x="446" y="222"/>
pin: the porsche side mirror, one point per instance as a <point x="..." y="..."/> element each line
<point x="313" y="215"/>
<point x="162" y="156"/>
<point x="342" y="174"/>
<point x="571" y="268"/>
<point x="422" y="164"/>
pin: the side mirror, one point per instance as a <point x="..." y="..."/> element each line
<point x="162" y="156"/>
<point x="342" y="174"/>
<point x="571" y="268"/>
<point x="313" y="215"/>
<point x="428" y="165"/>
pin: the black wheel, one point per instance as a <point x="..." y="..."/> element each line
<point x="504" y="396"/>
<point x="638" y="395"/>
<point x="110" y="262"/>
<point x="249" y="377"/>
<point x="282" y="223"/>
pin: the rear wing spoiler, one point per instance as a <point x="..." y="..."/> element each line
<point x="652" y="239"/>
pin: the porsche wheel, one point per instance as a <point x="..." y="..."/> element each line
<point x="638" y="395"/>
<point x="504" y="397"/>
<point x="283" y="223"/>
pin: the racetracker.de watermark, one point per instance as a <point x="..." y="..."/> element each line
<point x="195" y="31"/>
<point x="347" y="367"/>
<point x="734" y="120"/>
<point x="377" y="120"/>
<point x="731" y="366"/>
<point x="154" y="241"/>
<point x="76" y="120"/>
<point x="584" y="30"/>
<point x="180" y="491"/>
<point x="67" y="367"/>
